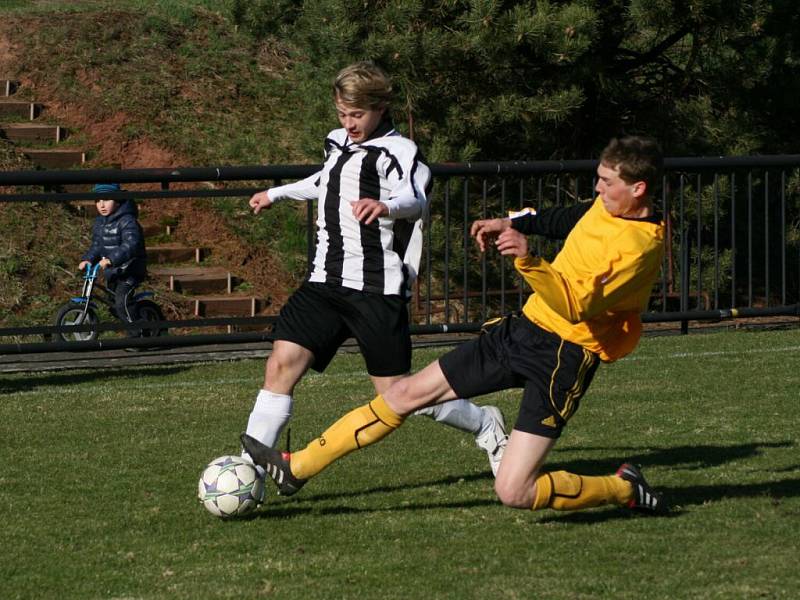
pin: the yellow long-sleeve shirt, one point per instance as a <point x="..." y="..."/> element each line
<point x="594" y="291"/>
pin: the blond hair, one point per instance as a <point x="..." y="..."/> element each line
<point x="364" y="85"/>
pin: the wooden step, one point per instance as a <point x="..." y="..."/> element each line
<point x="19" y="108"/>
<point x="196" y="280"/>
<point x="31" y="132"/>
<point x="226" y="306"/>
<point x="248" y="328"/>
<point x="55" y="159"/>
<point x="9" y="86"/>
<point x="173" y="253"/>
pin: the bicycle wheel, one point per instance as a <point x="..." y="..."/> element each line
<point x="147" y="310"/>
<point x="71" y="314"/>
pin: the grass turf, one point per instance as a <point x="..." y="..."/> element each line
<point x="101" y="470"/>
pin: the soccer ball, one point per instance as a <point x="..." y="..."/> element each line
<point x="230" y="487"/>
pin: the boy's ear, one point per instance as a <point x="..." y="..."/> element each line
<point x="639" y="188"/>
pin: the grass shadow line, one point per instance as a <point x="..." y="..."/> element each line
<point x="681" y="457"/>
<point x="71" y="378"/>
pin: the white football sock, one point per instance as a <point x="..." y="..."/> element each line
<point x="268" y="418"/>
<point x="461" y="414"/>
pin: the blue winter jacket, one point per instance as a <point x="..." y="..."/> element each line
<point x="119" y="238"/>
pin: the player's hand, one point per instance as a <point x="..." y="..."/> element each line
<point x="488" y="229"/>
<point x="367" y="210"/>
<point x="105" y="263"/>
<point x="512" y="243"/>
<point x="259" y="201"/>
<point x="83" y="264"/>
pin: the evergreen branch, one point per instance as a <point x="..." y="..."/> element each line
<point x="623" y="66"/>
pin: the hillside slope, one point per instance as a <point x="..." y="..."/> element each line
<point x="133" y="92"/>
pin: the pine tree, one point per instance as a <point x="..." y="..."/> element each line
<point x="495" y="80"/>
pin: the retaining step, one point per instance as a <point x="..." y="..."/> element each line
<point x="9" y="86"/>
<point x="31" y="132"/>
<point x="55" y="159"/>
<point x="226" y="306"/>
<point x="195" y="280"/>
<point x="173" y="253"/>
<point x="18" y="108"/>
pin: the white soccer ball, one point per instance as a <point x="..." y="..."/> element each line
<point x="230" y="487"/>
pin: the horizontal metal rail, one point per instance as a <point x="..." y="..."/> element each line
<point x="149" y="325"/>
<point x="273" y="172"/>
<point x="137" y="195"/>
<point x="180" y="340"/>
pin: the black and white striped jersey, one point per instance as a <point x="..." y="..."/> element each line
<point x="382" y="257"/>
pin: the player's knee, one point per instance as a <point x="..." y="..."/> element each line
<point x="512" y="494"/>
<point x="274" y="367"/>
<point x="400" y="398"/>
<point x="279" y="370"/>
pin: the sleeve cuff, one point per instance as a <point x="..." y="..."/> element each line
<point x="522" y="220"/>
<point x="527" y="262"/>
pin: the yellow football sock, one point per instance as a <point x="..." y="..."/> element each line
<point x="358" y="428"/>
<point x="561" y="490"/>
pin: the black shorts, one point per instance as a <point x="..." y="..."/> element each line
<point x="515" y="353"/>
<point x="320" y="317"/>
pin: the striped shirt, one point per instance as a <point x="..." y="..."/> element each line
<point x="382" y="257"/>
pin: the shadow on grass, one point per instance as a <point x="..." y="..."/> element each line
<point x="300" y="506"/>
<point x="681" y="458"/>
<point x="388" y="489"/>
<point x="71" y="378"/>
<point x="286" y="511"/>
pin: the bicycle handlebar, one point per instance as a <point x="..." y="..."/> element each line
<point x="91" y="271"/>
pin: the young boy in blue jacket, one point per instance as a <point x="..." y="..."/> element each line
<point x="118" y="246"/>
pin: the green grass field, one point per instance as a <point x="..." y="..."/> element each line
<point x="98" y="487"/>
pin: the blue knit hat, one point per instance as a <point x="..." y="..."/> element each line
<point x="106" y="188"/>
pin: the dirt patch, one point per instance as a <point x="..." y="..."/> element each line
<point x="109" y="147"/>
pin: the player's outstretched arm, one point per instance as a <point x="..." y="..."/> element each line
<point x="259" y="201"/>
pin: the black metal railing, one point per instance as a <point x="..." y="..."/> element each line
<point x="733" y="229"/>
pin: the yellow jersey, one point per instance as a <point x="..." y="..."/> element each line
<point x="594" y="291"/>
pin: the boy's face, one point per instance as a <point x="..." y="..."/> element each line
<point x="620" y="198"/>
<point x="359" y="122"/>
<point x="106" y="207"/>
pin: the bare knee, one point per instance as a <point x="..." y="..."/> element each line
<point x="513" y="492"/>
<point x="284" y="370"/>
<point x="424" y="388"/>
<point x="400" y="398"/>
<point x="277" y="367"/>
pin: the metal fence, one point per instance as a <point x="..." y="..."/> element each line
<point x="733" y="230"/>
<point x="733" y="234"/>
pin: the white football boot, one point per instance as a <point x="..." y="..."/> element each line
<point x="492" y="436"/>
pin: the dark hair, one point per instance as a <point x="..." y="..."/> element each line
<point x="636" y="158"/>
